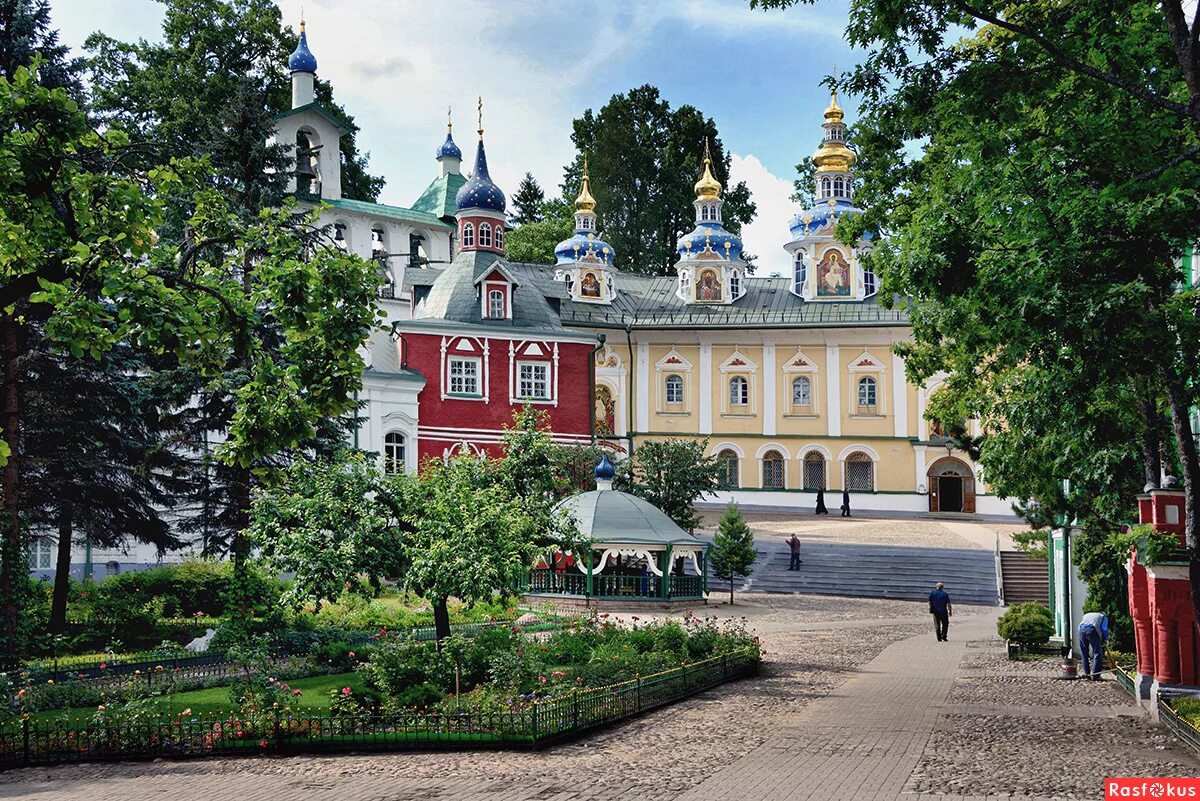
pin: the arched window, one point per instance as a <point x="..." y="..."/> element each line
<point x="801" y="391"/>
<point x="485" y="235"/>
<point x="496" y="304"/>
<point x="814" y="470"/>
<point x="867" y="392"/>
<point x="393" y="453"/>
<point x="825" y="187"/>
<point x="739" y="391"/>
<point x="674" y="389"/>
<point x="727" y="476"/>
<point x="860" y="472"/>
<point x="468" y="235"/>
<point x="772" y="469"/>
<point x="870" y="285"/>
<point x="500" y="236"/>
<point x="801" y="271"/>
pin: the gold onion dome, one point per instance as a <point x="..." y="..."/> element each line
<point x="833" y="155"/>
<point x="585" y="202"/>
<point x="708" y="187"/>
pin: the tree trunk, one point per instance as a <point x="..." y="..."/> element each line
<point x="12" y="557"/>
<point x="731" y="589"/>
<point x="1190" y="460"/>
<point x="62" y="570"/>
<point x="238" y="547"/>
<point x="1151" y="456"/>
<point x="441" y="620"/>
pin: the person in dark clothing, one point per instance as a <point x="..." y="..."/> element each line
<point x="941" y="609"/>
<point x="821" y="510"/>
<point x="794" y="544"/>
<point x="845" y="503"/>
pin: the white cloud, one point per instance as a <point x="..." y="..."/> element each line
<point x="766" y="235"/>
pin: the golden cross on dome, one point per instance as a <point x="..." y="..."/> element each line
<point x="301" y="19"/>
<point x="449" y="124"/>
<point x="481" y="116"/>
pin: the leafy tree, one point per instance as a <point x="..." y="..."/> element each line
<point x="528" y="201"/>
<point x="672" y="474"/>
<point x="1039" y="231"/>
<point x="804" y="184"/>
<point x="644" y="158"/>
<point x="319" y="523"/>
<point x="25" y="34"/>
<point x="534" y="242"/>
<point x="733" y="553"/>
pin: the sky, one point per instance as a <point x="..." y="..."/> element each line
<point x="396" y="65"/>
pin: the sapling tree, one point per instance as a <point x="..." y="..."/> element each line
<point x="733" y="553"/>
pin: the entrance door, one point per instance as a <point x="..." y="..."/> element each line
<point x="950" y="493"/>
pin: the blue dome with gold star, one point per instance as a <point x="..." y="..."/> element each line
<point x="302" y="59"/>
<point x="480" y="192"/>
<point x="822" y="219"/>
<point x="449" y="149"/>
<point x="584" y="246"/>
<point x="708" y="234"/>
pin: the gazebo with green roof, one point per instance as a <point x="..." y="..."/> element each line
<point x="637" y="553"/>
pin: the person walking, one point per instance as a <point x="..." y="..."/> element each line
<point x="821" y="509"/>
<point x="1093" y="634"/>
<point x="941" y="609"/>
<point x="845" y="503"/>
<point x="794" y="544"/>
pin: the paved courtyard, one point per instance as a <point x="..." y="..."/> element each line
<point x="857" y="700"/>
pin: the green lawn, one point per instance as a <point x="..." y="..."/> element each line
<point x="315" y="692"/>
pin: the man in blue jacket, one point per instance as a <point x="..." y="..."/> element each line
<point x="941" y="609"/>
<point x="1093" y="633"/>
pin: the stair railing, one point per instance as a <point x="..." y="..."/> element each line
<point x="999" y="572"/>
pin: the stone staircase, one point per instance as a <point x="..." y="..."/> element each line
<point x="1025" y="579"/>
<point x="872" y="571"/>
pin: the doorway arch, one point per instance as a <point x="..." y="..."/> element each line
<point x="951" y="486"/>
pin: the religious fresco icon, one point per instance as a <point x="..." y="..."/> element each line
<point x="833" y="276"/>
<point x="604" y="412"/>
<point x="708" y="287"/>
<point x="589" y="287"/>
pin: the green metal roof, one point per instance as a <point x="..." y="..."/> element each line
<point x="616" y="518"/>
<point x="392" y="212"/>
<point x="438" y="198"/>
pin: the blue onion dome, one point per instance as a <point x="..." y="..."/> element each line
<point x="585" y="247"/>
<point x="480" y="192"/>
<point x="605" y="471"/>
<point x="302" y="59"/>
<point x="449" y="149"/>
<point x="710" y="235"/>
<point x="822" y="219"/>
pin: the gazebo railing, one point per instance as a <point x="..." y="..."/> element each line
<point x="572" y="582"/>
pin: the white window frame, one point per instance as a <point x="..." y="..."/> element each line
<point x="450" y="377"/>
<point x="672" y="363"/>
<point x="806" y="400"/>
<point x="762" y="469"/>
<point x="494" y="312"/>
<point x="485" y="235"/>
<point x="744" y="401"/>
<point x="867" y="385"/>
<point x="468" y="235"/>
<point x="869" y="461"/>
<point x="521" y="379"/>
<point x="499" y="236"/>
<point x="393" y="464"/>
<point x="677" y="380"/>
<point x="41" y="554"/>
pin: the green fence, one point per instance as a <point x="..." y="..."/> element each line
<point x="606" y="585"/>
<point x="575" y="712"/>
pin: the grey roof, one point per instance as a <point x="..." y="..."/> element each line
<point x="647" y="302"/>
<point x="611" y="517"/>
<point x="391" y="212"/>
<point x="454" y="297"/>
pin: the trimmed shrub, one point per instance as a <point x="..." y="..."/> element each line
<point x="1029" y="624"/>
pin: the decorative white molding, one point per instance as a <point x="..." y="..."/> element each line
<point x="899" y="397"/>
<point x="865" y="362"/>
<point x="812" y="446"/>
<point x="798" y="362"/>
<point x="643" y="387"/>
<point x="769" y="392"/>
<point x="772" y="446"/>
<point x="706" y="388"/>
<point x="833" y="391"/>
<point x="849" y="449"/>
<point x="673" y="362"/>
<point x="727" y="446"/>
<point x="738" y="362"/>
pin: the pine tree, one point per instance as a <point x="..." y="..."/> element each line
<point x="527" y="202"/>
<point x="733" y="552"/>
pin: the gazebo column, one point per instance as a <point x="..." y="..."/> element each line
<point x="666" y="573"/>
<point x="704" y="572"/>
<point x="591" y="557"/>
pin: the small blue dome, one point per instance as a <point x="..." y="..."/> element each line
<point x="302" y="59"/>
<point x="449" y="149"/>
<point x="822" y="220"/>
<point x="580" y="247"/>
<point x="480" y="192"/>
<point x="713" y="233"/>
<point x="605" y="471"/>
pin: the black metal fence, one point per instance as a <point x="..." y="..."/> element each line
<point x="1179" y="727"/>
<point x="548" y="721"/>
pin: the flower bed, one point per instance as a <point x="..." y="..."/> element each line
<point x="532" y="724"/>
